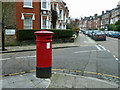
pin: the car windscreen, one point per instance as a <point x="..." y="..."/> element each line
<point x="99" y="33"/>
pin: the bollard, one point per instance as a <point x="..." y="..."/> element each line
<point x="43" y="54"/>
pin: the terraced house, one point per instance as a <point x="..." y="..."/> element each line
<point x="62" y="14"/>
<point x="101" y="21"/>
<point x="32" y="14"/>
<point x="36" y="14"/>
<point x="28" y="14"/>
<point x="115" y="14"/>
<point x="105" y="21"/>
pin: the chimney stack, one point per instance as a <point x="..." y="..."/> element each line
<point x="102" y="12"/>
<point x="95" y="15"/>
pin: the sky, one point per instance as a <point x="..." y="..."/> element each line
<point x="81" y="8"/>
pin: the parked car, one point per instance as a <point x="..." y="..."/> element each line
<point x="115" y="34"/>
<point x="106" y="32"/>
<point x="110" y="33"/>
<point x="99" y="36"/>
<point x="93" y="32"/>
<point x="90" y="33"/>
<point x="119" y="36"/>
<point x="86" y="32"/>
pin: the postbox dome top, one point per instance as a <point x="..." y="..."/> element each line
<point x="43" y="32"/>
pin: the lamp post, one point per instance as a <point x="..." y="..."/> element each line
<point x="2" y="37"/>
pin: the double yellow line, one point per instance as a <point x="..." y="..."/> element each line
<point x="87" y="72"/>
<point x="63" y="70"/>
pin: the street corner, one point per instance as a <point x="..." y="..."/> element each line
<point x="76" y="81"/>
<point x="28" y="80"/>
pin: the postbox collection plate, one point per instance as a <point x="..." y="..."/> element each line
<point x="48" y="45"/>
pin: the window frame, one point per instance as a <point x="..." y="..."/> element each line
<point x="48" y="5"/>
<point x="27" y="6"/>
<point x="44" y="3"/>
<point x="31" y="23"/>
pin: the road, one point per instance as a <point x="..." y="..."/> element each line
<point x="91" y="58"/>
<point x="111" y="44"/>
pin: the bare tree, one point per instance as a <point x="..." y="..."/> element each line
<point x="54" y="18"/>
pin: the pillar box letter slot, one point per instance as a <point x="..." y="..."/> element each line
<point x="44" y="53"/>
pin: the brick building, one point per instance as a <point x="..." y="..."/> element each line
<point x="32" y="14"/>
<point x="62" y="12"/>
<point x="105" y="19"/>
<point x="28" y="15"/>
<point x="101" y="21"/>
<point x="36" y="14"/>
<point x="115" y="14"/>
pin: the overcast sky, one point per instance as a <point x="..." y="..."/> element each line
<point x="83" y="8"/>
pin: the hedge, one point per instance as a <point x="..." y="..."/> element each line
<point x="29" y="34"/>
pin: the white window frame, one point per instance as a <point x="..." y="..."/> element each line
<point x="45" y="1"/>
<point x="27" y="6"/>
<point x="31" y="22"/>
<point x="48" y="5"/>
<point x="116" y="19"/>
<point x="44" y="26"/>
<point x="48" y="22"/>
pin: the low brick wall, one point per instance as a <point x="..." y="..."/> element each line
<point x="10" y="40"/>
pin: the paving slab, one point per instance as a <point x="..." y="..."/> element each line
<point x="76" y="81"/>
<point x="27" y="80"/>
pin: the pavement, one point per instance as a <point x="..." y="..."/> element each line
<point x="33" y="47"/>
<point x="79" y="41"/>
<point x="58" y="80"/>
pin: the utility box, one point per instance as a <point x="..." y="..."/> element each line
<point x="43" y="53"/>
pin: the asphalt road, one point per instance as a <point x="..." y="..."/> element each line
<point x="111" y="44"/>
<point x="88" y="58"/>
<point x="91" y="57"/>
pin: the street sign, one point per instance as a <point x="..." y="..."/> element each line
<point x="10" y="31"/>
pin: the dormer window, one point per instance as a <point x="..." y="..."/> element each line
<point x="27" y="4"/>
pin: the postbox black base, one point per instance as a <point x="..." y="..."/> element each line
<point x="43" y="72"/>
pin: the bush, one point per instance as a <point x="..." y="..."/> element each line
<point x="29" y="34"/>
<point x="102" y="29"/>
<point x="90" y="29"/>
<point x="68" y="26"/>
<point x="111" y="27"/>
<point x="76" y="30"/>
<point x="117" y="28"/>
<point x="95" y="29"/>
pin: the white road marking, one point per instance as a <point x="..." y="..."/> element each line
<point x="98" y="47"/>
<point x="86" y="51"/>
<point x="114" y="56"/>
<point x="108" y="50"/>
<point x="26" y="57"/>
<point x="5" y="59"/>
<point x="103" y="47"/>
<point x="117" y="59"/>
<point x="19" y="57"/>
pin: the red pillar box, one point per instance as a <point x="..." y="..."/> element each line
<point x="44" y="53"/>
